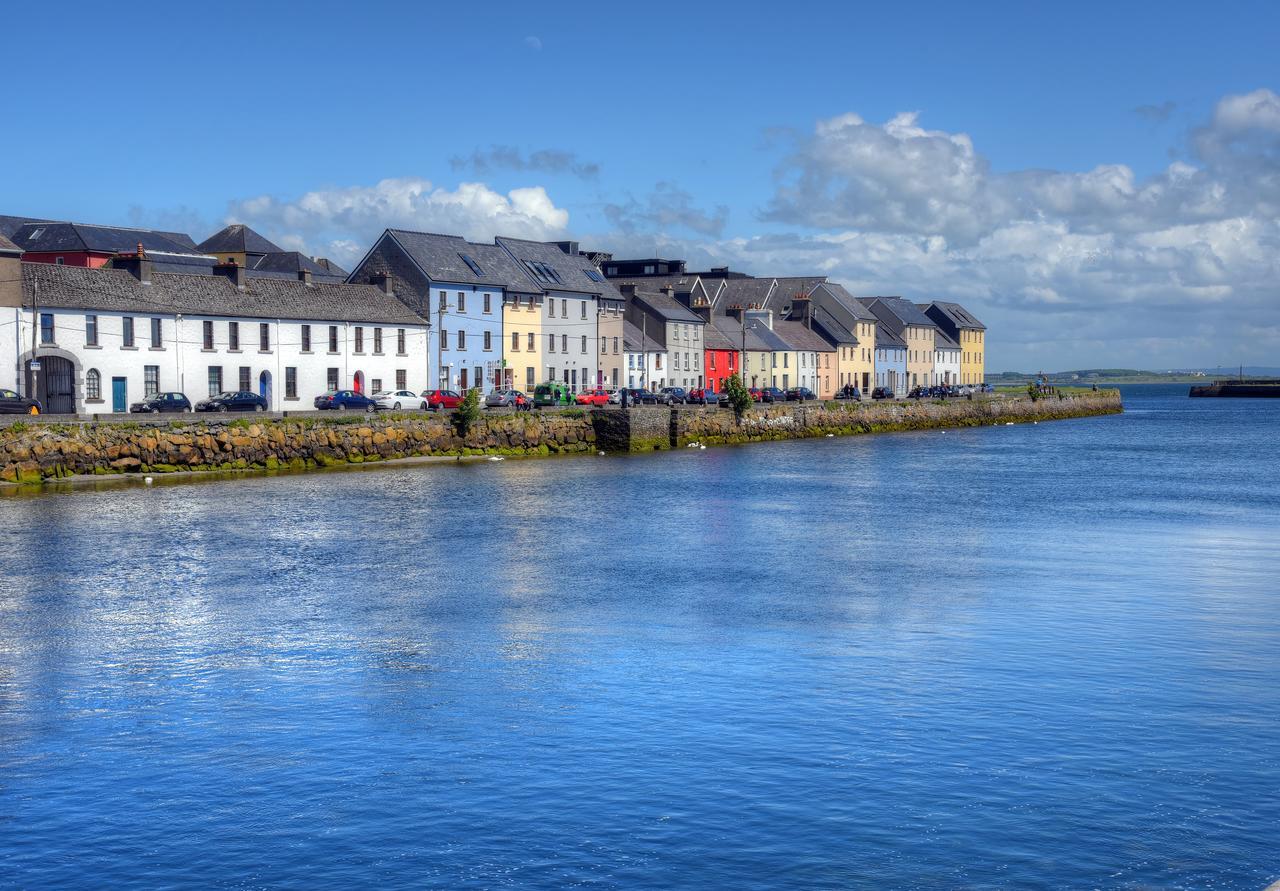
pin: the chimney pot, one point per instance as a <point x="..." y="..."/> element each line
<point x="382" y="281"/>
<point x="232" y="271"/>
<point x="304" y="276"/>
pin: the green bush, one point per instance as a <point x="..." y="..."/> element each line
<point x="738" y="396"/>
<point x="466" y="415"/>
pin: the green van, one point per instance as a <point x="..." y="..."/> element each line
<point x="551" y="394"/>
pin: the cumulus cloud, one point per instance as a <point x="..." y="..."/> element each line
<point x="505" y="157"/>
<point x="666" y="206"/>
<point x="333" y="221"/>
<point x="1177" y="265"/>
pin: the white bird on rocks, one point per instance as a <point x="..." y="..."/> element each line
<point x="496" y="458"/>
<point x="147" y="480"/>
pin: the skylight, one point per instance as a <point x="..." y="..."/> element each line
<point x="593" y="275"/>
<point x="37" y="233"/>
<point x="475" y="267"/>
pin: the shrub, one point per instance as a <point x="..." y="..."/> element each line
<point x="466" y="414"/>
<point x="738" y="395"/>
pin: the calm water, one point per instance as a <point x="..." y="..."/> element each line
<point x="1027" y="656"/>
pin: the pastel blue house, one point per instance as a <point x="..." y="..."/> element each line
<point x="891" y="361"/>
<point x="461" y="288"/>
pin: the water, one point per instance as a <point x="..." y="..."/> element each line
<point x="1042" y="655"/>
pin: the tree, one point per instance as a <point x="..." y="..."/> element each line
<point x="738" y="395"/>
<point x="466" y="414"/>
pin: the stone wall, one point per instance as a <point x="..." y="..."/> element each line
<point x="31" y="452"/>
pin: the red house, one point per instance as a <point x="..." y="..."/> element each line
<point x="79" y="244"/>
<point x="720" y="356"/>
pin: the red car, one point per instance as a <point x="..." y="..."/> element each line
<point x="756" y="394"/>
<point x="438" y="399"/>
<point x="596" y="397"/>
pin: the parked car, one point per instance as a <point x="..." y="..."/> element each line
<point x="673" y="395"/>
<point x="849" y="391"/>
<point x="800" y="394"/>
<point x="162" y="402"/>
<point x="438" y="399"/>
<point x="615" y="395"/>
<point x="757" y="395"/>
<point x="13" y="404"/>
<point x="399" y="399"/>
<point x="344" y="400"/>
<point x="703" y="396"/>
<point x="237" y="400"/>
<point x="637" y="396"/>
<point x="597" y="397"/>
<point x="552" y="393"/>
<point x="882" y="393"/>
<point x="502" y="398"/>
<point x="772" y="394"/>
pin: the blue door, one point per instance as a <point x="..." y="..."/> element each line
<point x="119" y="395"/>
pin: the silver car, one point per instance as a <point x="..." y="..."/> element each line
<point x="395" y="400"/>
<point x="502" y="398"/>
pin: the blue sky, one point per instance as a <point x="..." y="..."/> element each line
<point x="1099" y="182"/>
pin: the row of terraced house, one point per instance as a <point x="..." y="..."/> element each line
<point x="94" y="317"/>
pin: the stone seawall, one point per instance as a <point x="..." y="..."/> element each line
<point x="39" y="450"/>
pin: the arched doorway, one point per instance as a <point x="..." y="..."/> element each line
<point x="54" y="383"/>
<point x="357" y="382"/>
<point x="264" y="386"/>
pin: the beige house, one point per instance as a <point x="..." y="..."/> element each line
<point x="914" y="328"/>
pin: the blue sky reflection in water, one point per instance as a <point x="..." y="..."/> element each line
<point x="1038" y="655"/>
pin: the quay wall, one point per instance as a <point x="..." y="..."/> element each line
<point x="37" y="450"/>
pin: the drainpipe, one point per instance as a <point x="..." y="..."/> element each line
<point x="276" y="383"/>
<point x="177" y="351"/>
<point x="35" y="330"/>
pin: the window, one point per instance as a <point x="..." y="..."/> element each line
<point x="333" y="341"/>
<point x="233" y="335"/>
<point x="90" y="330"/>
<point x="551" y="343"/>
<point x="359" y="339"/>
<point x="604" y="345"/>
<point x="528" y="379"/>
<point x="444" y="301"/>
<point x="475" y="267"/>
<point x="488" y="340"/>
<point x="584" y="309"/>
<point x="93" y="385"/>
<point x="150" y="380"/>
<point x="487" y="298"/>
<point x="291" y="383"/>
<point x="375" y="385"/>
<point x="531" y="342"/>
<point x="444" y="339"/>
<point x="306" y="338"/>
<point x="126" y="336"/>
<point x="400" y="338"/>
<point x="551" y="307"/>
<point x="207" y="340"/>
<point x="593" y="275"/>
<point x="402" y="379"/>
<point x="246" y="374"/>
<point x="377" y="340"/>
<point x="156" y="339"/>
<point x="657" y="361"/>
<point x="648" y="270"/>
<point x="515" y="340"/>
<point x="564" y="308"/>
<point x="615" y="346"/>
<point x="584" y="343"/>
<point x="712" y="364"/>
<point x="479" y="378"/>
<point x="46" y="327"/>
<point x="264" y="336"/>
<point x="462" y="302"/>
<point x="215" y="380"/>
<point x="462" y="340"/>
<point x="564" y="343"/>
<point x="331" y="379"/>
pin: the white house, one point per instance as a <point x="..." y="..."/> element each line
<point x="109" y="336"/>
<point x="946" y="359"/>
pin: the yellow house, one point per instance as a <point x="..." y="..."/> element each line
<point x="857" y="362"/>
<point x="905" y="320"/>
<point x="609" y="317"/>
<point x="522" y="341"/>
<point x="964" y="328"/>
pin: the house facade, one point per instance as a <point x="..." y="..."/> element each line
<point x="914" y="328"/>
<point x="891" y="362"/>
<point x="859" y="366"/>
<point x="964" y="328"/>
<point x="946" y="361"/>
<point x="109" y="336"/>
<point x="465" y="291"/>
<point x="644" y="357"/>
<point x="677" y="328"/>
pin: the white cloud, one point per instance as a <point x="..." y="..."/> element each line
<point x="338" y="222"/>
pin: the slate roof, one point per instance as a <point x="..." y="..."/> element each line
<point x="572" y="269"/>
<point x="906" y="312"/>
<point x="52" y="237"/>
<point x="715" y="339"/>
<point x="182" y="239"/>
<point x="632" y="337"/>
<point x="238" y="238"/>
<point x="942" y="341"/>
<point x="732" y="331"/>
<point x="331" y="267"/>
<point x="954" y="313"/>
<point x="667" y="307"/>
<point x="800" y="337"/>
<point x="830" y="328"/>
<point x="681" y="284"/>
<point x="293" y="262"/>
<point x="11" y="224"/>
<point x="887" y="340"/>
<point x="7" y="246"/>
<point x="440" y="257"/>
<point x="847" y="301"/>
<point x="787" y="288"/>
<point x="116" y="290"/>
<point x="744" y="292"/>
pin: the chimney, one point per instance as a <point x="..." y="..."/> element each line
<point x="136" y="264"/>
<point x="669" y="290"/>
<point x="703" y="310"/>
<point x="734" y="311"/>
<point x="382" y="281"/>
<point x="10" y="273"/>
<point x="232" y="271"/>
<point x="304" y="276"/>
<point x="801" y="309"/>
<point x="627" y="290"/>
<point x="755" y="314"/>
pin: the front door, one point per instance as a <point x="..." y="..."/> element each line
<point x="462" y="380"/>
<point x="119" y="395"/>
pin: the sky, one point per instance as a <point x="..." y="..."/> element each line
<point x="1099" y="182"/>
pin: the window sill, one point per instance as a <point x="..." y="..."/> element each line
<point x="304" y="352"/>
<point x="235" y="351"/>
<point x="95" y="402"/>
<point x="155" y="349"/>
<point x="131" y="349"/>
<point x="378" y="353"/>
<point x="292" y="399"/>
<point x="92" y="346"/>
<point x="207" y="350"/>
<point x="265" y="352"/>
<point x="402" y="355"/>
<point x="333" y="353"/>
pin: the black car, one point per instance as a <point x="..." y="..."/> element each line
<point x="800" y="394"/>
<point x="13" y="404"/>
<point x="882" y="393"/>
<point x="849" y="391"/>
<point x="772" y="394"/>
<point x="162" y="402"/>
<point x="637" y="396"/>
<point x="241" y="400"/>
<point x="673" y="395"/>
